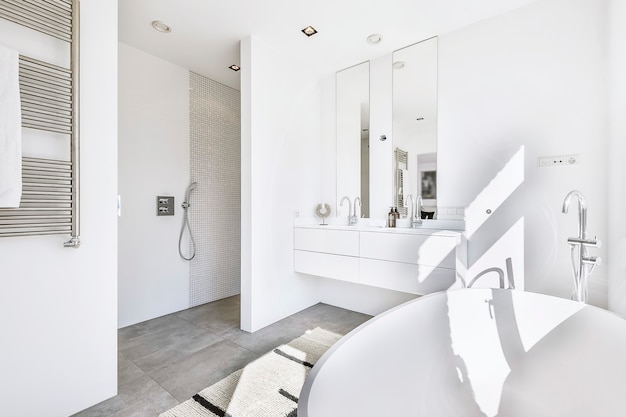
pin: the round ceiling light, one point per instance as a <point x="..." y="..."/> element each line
<point x="374" y="39"/>
<point x="161" y="26"/>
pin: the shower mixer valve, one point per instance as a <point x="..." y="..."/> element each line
<point x="165" y="206"/>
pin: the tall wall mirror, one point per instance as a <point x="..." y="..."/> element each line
<point x="353" y="115"/>
<point x="415" y="126"/>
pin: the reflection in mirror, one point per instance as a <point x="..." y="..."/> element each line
<point x="353" y="113"/>
<point x="415" y="125"/>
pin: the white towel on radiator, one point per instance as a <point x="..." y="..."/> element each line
<point x="10" y="129"/>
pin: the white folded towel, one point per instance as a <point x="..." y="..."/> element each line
<point x="10" y="129"/>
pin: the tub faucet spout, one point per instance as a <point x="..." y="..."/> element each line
<point x="582" y="211"/>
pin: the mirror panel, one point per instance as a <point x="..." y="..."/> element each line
<point x="415" y="124"/>
<point x="353" y="114"/>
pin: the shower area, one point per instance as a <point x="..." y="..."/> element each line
<point x="176" y="128"/>
<point x="215" y="215"/>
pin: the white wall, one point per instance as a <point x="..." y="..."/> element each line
<point x="281" y="154"/>
<point x="58" y="307"/>
<point x="617" y="154"/>
<point x="381" y="152"/>
<point x="153" y="160"/>
<point x="521" y="85"/>
<point x="528" y="83"/>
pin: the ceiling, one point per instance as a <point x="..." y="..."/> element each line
<point x="206" y="33"/>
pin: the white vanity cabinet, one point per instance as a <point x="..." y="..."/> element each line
<point x="417" y="261"/>
<point x="327" y="253"/>
<point x="409" y="262"/>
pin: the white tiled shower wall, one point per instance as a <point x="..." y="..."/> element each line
<point x="214" y="214"/>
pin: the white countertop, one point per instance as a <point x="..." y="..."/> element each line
<point x="428" y="227"/>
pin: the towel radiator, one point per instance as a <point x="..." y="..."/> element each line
<point x="401" y="163"/>
<point x="50" y="102"/>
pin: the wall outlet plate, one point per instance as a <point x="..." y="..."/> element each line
<point x="558" y="160"/>
<point x="165" y="205"/>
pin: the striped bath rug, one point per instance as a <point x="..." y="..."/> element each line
<point x="267" y="387"/>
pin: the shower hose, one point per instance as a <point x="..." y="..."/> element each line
<point x="185" y="205"/>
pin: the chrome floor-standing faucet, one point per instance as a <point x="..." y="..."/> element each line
<point x="582" y="264"/>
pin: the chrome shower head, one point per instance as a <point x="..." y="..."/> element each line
<point x="191" y="187"/>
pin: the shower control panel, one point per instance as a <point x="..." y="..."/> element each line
<point x="165" y="206"/>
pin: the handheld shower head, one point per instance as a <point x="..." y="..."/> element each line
<point x="191" y="187"/>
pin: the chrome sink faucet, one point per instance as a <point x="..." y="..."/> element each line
<point x="585" y="264"/>
<point x="352" y="218"/>
<point x="416" y="219"/>
<point x="344" y="198"/>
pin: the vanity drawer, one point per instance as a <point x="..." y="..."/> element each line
<point x="411" y="278"/>
<point x="427" y="249"/>
<point x="345" y="268"/>
<point x="338" y="242"/>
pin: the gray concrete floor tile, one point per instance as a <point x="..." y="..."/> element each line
<point x="193" y="373"/>
<point x="139" y="329"/>
<point x="328" y="317"/>
<point x="167" y="360"/>
<point x="267" y="338"/>
<point x="141" y="389"/>
<point x="127" y="371"/>
<point x="173" y="330"/>
<point x="218" y="316"/>
<point x="179" y="349"/>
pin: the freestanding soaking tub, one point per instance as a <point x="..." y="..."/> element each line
<point x="475" y="352"/>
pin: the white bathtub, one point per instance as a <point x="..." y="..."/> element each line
<point x="475" y="352"/>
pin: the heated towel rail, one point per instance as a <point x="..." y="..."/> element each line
<point x="401" y="165"/>
<point x="50" y="102"/>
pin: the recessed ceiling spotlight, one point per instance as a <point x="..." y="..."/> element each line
<point x="161" y="26"/>
<point x="235" y="67"/>
<point x="399" y="64"/>
<point x="375" y="38"/>
<point x="309" y="31"/>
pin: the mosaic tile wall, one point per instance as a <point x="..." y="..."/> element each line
<point x="214" y="214"/>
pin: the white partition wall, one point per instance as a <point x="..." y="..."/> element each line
<point x="153" y="161"/>
<point x="280" y="148"/>
<point x="58" y="306"/>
